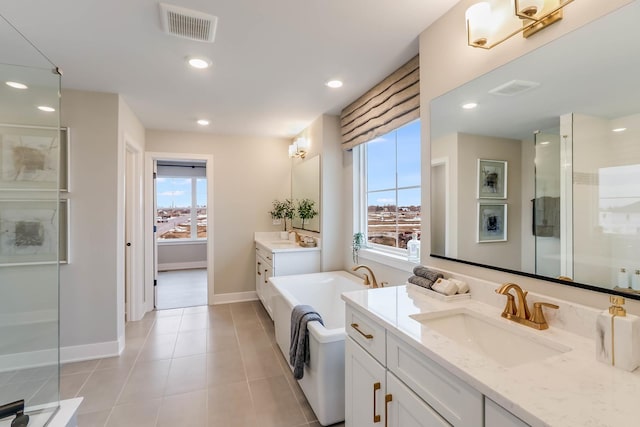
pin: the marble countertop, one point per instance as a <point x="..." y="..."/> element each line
<point x="571" y="389"/>
<point x="272" y="242"/>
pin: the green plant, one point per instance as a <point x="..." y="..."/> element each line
<point x="358" y="241"/>
<point x="283" y="209"/>
<point x="306" y="210"/>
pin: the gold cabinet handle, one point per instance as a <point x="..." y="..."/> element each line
<point x="357" y="328"/>
<point x="376" y="387"/>
<point x="259" y="264"/>
<point x="387" y="398"/>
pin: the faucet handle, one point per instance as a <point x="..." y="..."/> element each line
<point x="510" y="308"/>
<point x="538" y="315"/>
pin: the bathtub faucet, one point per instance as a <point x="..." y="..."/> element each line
<point x="373" y="282"/>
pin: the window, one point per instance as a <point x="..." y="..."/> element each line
<point x="181" y="202"/>
<point x="389" y="183"/>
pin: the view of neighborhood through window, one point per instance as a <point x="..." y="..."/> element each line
<point x="393" y="187"/>
<point x="181" y="202"/>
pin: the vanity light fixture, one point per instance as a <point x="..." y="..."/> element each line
<point x="17" y="85"/>
<point x="469" y="105"/>
<point x="299" y="148"/>
<point x="46" y="108"/>
<point x="203" y="122"/>
<point x="618" y="130"/>
<point x="545" y="143"/>
<point x="334" y="84"/>
<point x="199" y="62"/>
<point x="489" y="24"/>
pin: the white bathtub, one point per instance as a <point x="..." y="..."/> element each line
<point x="323" y="381"/>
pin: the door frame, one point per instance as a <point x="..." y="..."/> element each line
<point x="150" y="214"/>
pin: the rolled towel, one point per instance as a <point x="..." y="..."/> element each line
<point x="427" y="273"/>
<point x="463" y="287"/>
<point x="445" y="287"/>
<point x="420" y="281"/>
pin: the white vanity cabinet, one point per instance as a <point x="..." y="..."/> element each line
<point x="281" y="262"/>
<point x="496" y="416"/>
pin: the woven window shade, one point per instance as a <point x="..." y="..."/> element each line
<point x="393" y="102"/>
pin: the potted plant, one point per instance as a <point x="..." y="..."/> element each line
<point x="358" y="241"/>
<point x="306" y="210"/>
<point x="288" y="212"/>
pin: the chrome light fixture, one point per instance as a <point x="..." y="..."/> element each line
<point x="299" y="148"/>
<point x="490" y="23"/>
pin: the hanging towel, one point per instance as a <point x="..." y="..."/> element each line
<point x="427" y="273"/>
<point x="299" y="346"/>
<point x="420" y="281"/>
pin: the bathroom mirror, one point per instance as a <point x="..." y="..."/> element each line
<point x="305" y="184"/>
<point x="542" y="177"/>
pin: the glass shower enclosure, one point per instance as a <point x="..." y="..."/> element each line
<point x="31" y="143"/>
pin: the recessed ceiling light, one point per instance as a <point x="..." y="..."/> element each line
<point x="545" y="143"/>
<point x="334" y="84"/>
<point x="619" y="129"/>
<point x="46" y="108"/>
<point x="17" y="85"/>
<point x="469" y="105"/>
<point x="203" y="122"/>
<point x="199" y="62"/>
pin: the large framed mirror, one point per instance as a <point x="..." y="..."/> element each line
<point x="305" y="184"/>
<point x="542" y="177"/>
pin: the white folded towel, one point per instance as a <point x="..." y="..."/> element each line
<point x="445" y="287"/>
<point x="463" y="287"/>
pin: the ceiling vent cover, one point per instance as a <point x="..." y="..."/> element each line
<point x="514" y="87"/>
<point x="188" y="24"/>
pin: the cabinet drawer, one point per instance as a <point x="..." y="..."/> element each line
<point x="456" y="401"/>
<point x="367" y="333"/>
<point x="496" y="416"/>
<point x="405" y="409"/>
<point x="264" y="253"/>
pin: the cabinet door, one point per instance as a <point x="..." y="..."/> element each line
<point x="496" y="416"/>
<point x="364" y="387"/>
<point x="259" y="282"/>
<point x="267" y="272"/>
<point x="405" y="409"/>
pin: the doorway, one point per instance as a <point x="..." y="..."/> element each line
<point x="180" y="258"/>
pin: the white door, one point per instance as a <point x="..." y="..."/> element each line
<point x="155" y="235"/>
<point x="129" y="205"/>
<point x="364" y="387"/>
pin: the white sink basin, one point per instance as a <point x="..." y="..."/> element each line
<point x="282" y="244"/>
<point x="493" y="338"/>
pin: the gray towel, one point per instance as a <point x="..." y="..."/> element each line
<point x="420" y="281"/>
<point x="299" y="346"/>
<point x="427" y="273"/>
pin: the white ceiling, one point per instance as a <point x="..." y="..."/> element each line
<point x="271" y="58"/>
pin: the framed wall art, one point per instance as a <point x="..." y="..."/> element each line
<point x="492" y="222"/>
<point x="492" y="179"/>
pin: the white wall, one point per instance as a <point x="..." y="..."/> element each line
<point x="446" y="62"/>
<point x="249" y="173"/>
<point x="176" y="256"/>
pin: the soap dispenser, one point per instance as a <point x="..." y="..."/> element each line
<point x="413" y="247"/>
<point x="618" y="336"/>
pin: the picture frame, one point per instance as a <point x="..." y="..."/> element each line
<point x="29" y="232"/>
<point x="34" y="158"/>
<point x="492" y="222"/>
<point x="492" y="179"/>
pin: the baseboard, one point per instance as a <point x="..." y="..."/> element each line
<point x="169" y="266"/>
<point x="30" y="359"/>
<point x="234" y="297"/>
<point x="78" y="353"/>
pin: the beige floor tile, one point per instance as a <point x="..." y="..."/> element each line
<point x="122" y="363"/>
<point x="70" y="385"/>
<point x="158" y="347"/>
<point x="6" y="376"/>
<point x="190" y="343"/>
<point x="231" y="405"/>
<point x="307" y="411"/>
<point x="34" y="374"/>
<point x="146" y="382"/>
<point x="78" y="367"/>
<point x="142" y="414"/>
<point x="274" y="402"/>
<point x="253" y="336"/>
<point x="167" y="325"/>
<point x="174" y="312"/>
<point x="139" y="329"/>
<point x="222" y="340"/>
<point x="225" y="368"/>
<point x="187" y="374"/>
<point x="260" y="363"/>
<point x="244" y="313"/>
<point x="93" y="419"/>
<point x="194" y="322"/>
<point x="196" y="310"/>
<point x="101" y="390"/>
<point x="184" y="410"/>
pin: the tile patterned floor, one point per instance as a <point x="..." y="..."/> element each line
<point x="201" y="366"/>
<point x="182" y="288"/>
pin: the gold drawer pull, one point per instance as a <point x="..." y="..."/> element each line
<point x="357" y="328"/>
<point x="376" y="418"/>
<point x="388" y="398"/>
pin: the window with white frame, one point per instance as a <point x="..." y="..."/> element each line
<point x="388" y="183"/>
<point x="181" y="202"/>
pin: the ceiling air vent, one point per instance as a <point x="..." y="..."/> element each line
<point x="514" y="87"/>
<point x="189" y="24"/>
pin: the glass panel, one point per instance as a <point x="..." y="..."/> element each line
<point x="409" y="218"/>
<point x="174" y="202"/>
<point x="409" y="155"/>
<point x="201" y="202"/>
<point x="382" y="226"/>
<point x="29" y="230"/>
<point x="381" y="163"/>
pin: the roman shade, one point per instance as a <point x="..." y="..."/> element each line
<point x="393" y="102"/>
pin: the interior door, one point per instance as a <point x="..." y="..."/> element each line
<point x="155" y="235"/>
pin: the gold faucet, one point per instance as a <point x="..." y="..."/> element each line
<point x="373" y="282"/>
<point x="520" y="313"/>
